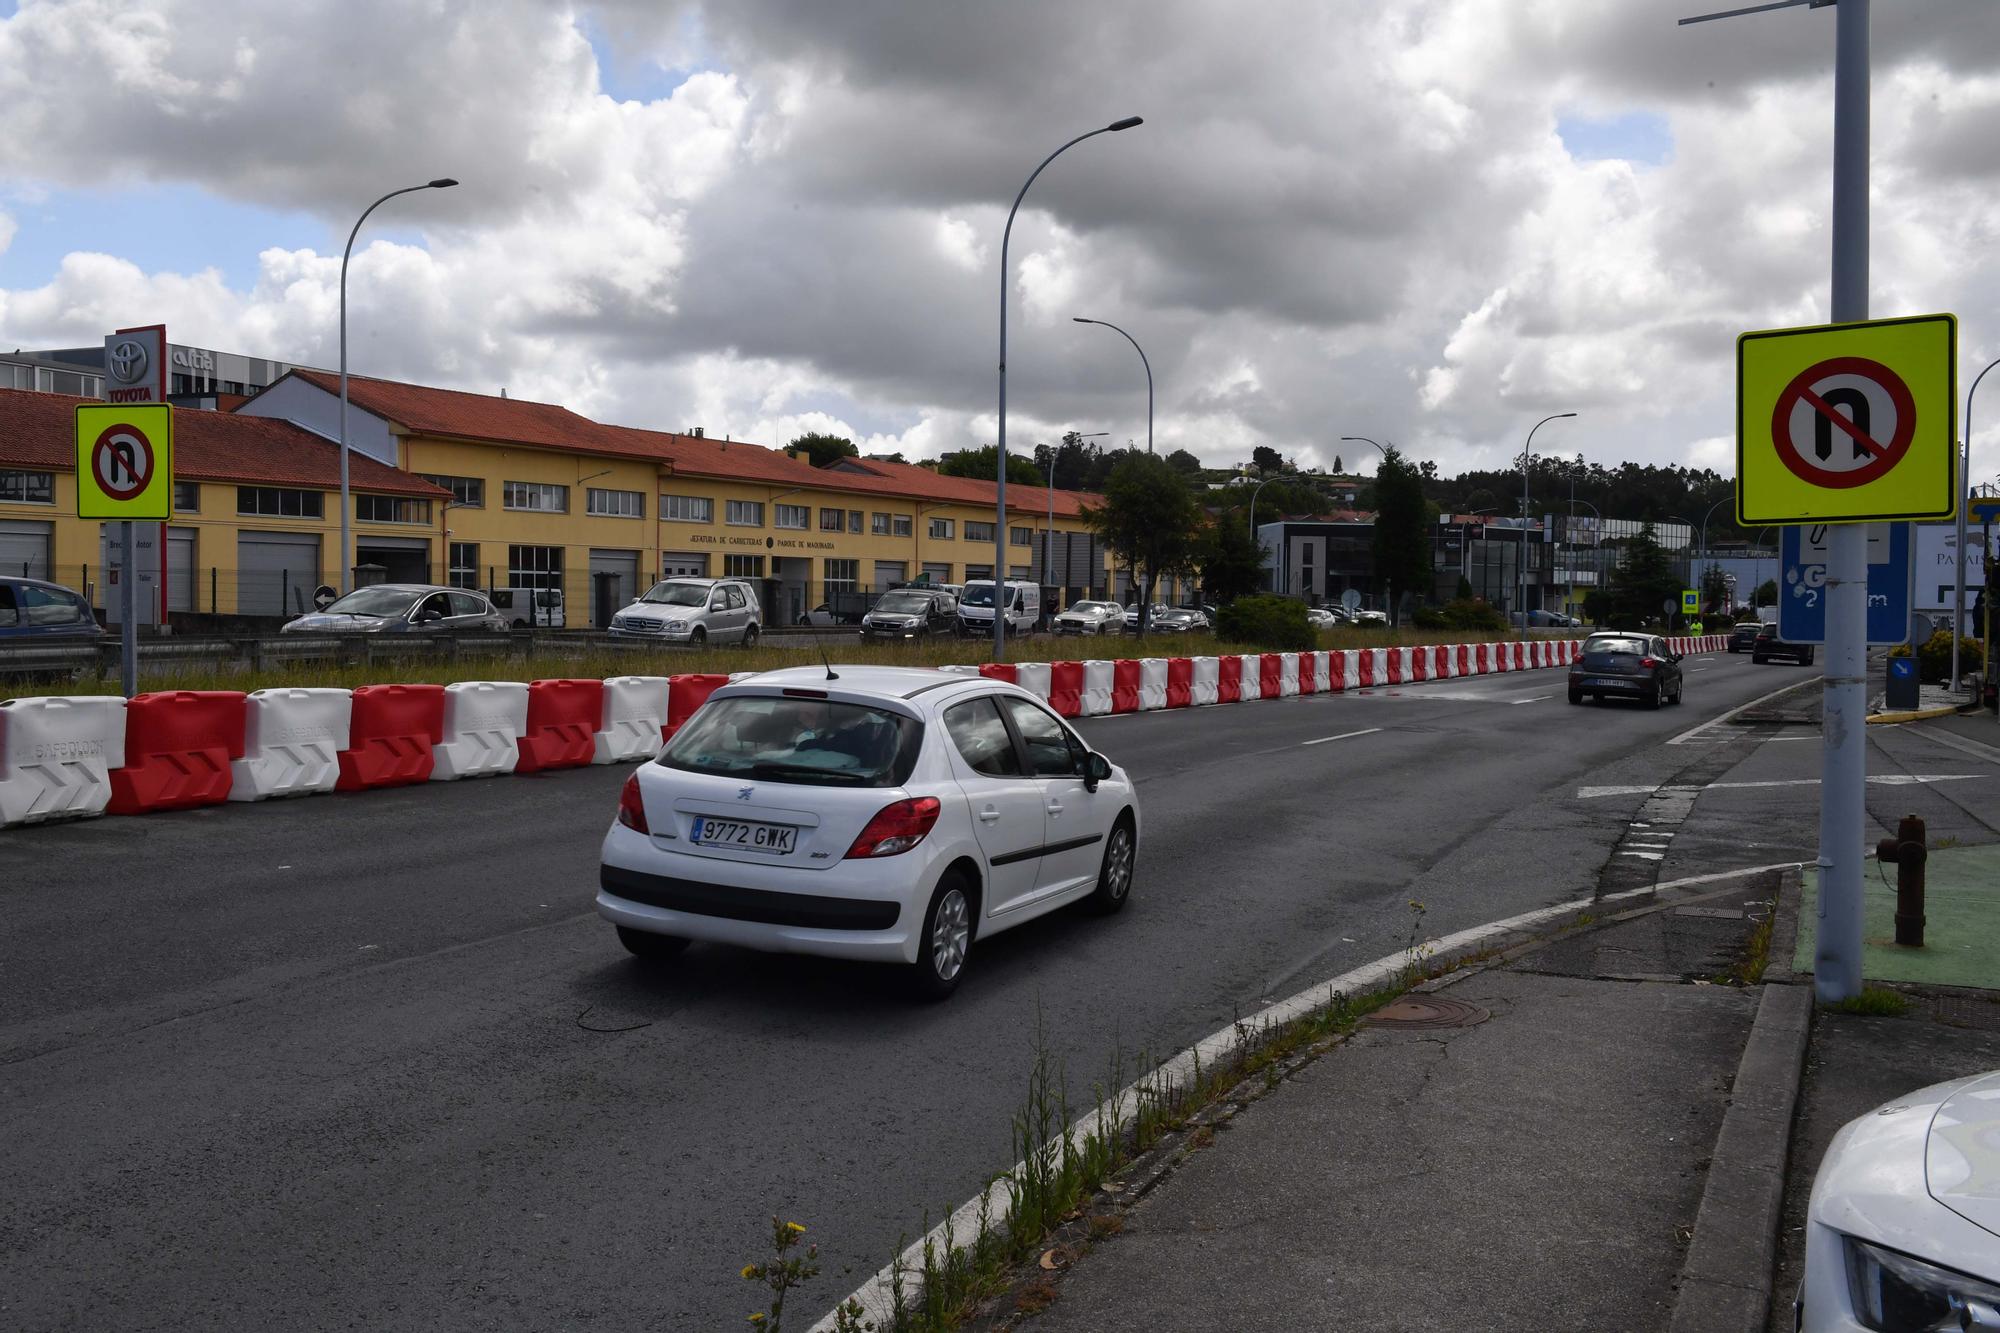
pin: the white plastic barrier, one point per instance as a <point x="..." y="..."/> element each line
<point x="1152" y="683"/>
<point x="1097" y="682"/>
<point x="1378" y="663"/>
<point x="635" y="713"/>
<point x="1322" y="664"/>
<point x="1288" y="675"/>
<point x="292" y="739"/>
<point x="1250" y="678"/>
<point x="1034" y="678"/>
<point x="56" y="755"/>
<point x="1202" y="681"/>
<point x="483" y="722"/>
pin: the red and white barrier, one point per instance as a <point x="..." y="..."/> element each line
<point x="1034" y="678"/>
<point x="1097" y="680"/>
<point x="633" y="721"/>
<point x="56" y="756"/>
<point x="483" y="723"/>
<point x="179" y="746"/>
<point x="1203" y="673"/>
<point x="391" y="735"/>
<point x="562" y="724"/>
<point x="1180" y="682"/>
<point x="1152" y="683"/>
<point x="1066" y="688"/>
<point x="292" y="739"/>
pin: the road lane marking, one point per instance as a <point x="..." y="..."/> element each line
<point x="1345" y="735"/>
<point x="1879" y="779"/>
<point x="1693" y="732"/>
<point x="1959" y="743"/>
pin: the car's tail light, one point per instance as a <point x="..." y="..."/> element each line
<point x="1649" y="662"/>
<point x="897" y="827"/>
<point x="632" y="810"/>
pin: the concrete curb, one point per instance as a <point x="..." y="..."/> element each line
<point x="1778" y="969"/>
<point x="1726" y="1280"/>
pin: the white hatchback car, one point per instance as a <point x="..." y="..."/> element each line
<point x="881" y="813"/>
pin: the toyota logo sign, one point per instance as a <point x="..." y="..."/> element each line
<point x="128" y="361"/>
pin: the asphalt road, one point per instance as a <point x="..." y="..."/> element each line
<point x="373" y="1060"/>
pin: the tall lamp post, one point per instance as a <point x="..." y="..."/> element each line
<point x="1078" y="319"/>
<point x="1363" y="439"/>
<point x="1000" y="453"/>
<point x="1965" y="488"/>
<point x="1253" y="520"/>
<point x="346" y="503"/>
<point x="1521" y="565"/>
<point x="1708" y="560"/>
<point x="1049" y="533"/>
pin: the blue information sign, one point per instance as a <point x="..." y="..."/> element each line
<point x="1891" y="579"/>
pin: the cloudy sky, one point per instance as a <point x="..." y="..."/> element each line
<point x="1427" y="221"/>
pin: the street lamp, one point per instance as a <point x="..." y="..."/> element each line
<point x="1078" y="319"/>
<point x="1709" y="559"/>
<point x="346" y="504"/>
<point x="1049" y="533"/>
<point x="1363" y="439"/>
<point x="1253" y="518"/>
<point x="1000" y="453"/>
<point x="1521" y="565"/>
<point x="1958" y="596"/>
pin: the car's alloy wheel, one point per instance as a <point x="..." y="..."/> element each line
<point x="1654" y="699"/>
<point x="1114" y="879"/>
<point x="649" y="946"/>
<point x="1576" y="696"/>
<point x="699" y="636"/>
<point x="947" y="940"/>
<point x="750" y="637"/>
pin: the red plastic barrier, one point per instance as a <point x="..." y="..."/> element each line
<point x="1066" y="688"/>
<point x="1308" y="682"/>
<point x="390" y="736"/>
<point x="1125" y="685"/>
<point x="1464" y="659"/>
<point x="1393" y="659"/>
<point x="1180" y="682"/>
<point x="999" y="671"/>
<point x="562" y="724"/>
<point x="685" y="694"/>
<point x="1228" y="680"/>
<point x="1420" y="664"/>
<point x="178" y="745"/>
<point x="1270" y="673"/>
<point x="1336" y="672"/>
<point x="1364" y="668"/>
<point x="1440" y="662"/>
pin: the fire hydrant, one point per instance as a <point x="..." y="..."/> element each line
<point x="1907" y="853"/>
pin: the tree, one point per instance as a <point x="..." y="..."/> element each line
<point x="1185" y="463"/>
<point x="1266" y="460"/>
<point x="1402" y="540"/>
<point x="824" y="450"/>
<point x="978" y="464"/>
<point x="1080" y="464"/>
<point x="1338" y="470"/>
<point x="1149" y="519"/>
<point x="1644" y="581"/>
<point x="1229" y="560"/>
<point x="1767" y="593"/>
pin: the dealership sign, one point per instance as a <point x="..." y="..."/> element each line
<point x="135" y="365"/>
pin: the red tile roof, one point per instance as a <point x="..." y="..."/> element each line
<point x="38" y="430"/>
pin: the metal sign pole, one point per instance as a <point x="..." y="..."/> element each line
<point x="1844" y="760"/>
<point x="128" y="609"/>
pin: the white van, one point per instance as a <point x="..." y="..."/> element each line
<point x="975" y="607"/>
<point x="529" y="608"/>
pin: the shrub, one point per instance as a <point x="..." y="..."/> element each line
<point x="1429" y="617"/>
<point x="1275" y="624"/>
<point x="1934" y="656"/>
<point x="1473" y="613"/>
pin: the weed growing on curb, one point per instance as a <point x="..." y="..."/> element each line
<point x="1874" y="1002"/>
<point x="782" y="1271"/>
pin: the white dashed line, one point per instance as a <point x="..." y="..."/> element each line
<point x="1345" y="735"/>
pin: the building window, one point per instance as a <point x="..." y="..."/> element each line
<point x="842" y="575"/>
<point x="614" y="504"/>
<point x="534" y="566"/>
<point x="746" y="513"/>
<point x="978" y="532"/>
<point x="743" y="566"/>
<point x="464" y="571"/>
<point x="1021" y="536"/>
<point x="879" y="524"/>
<point x="1019" y="572"/>
<point x="902" y="524"/>
<point x="854" y="521"/>
<point x="277" y="502"/>
<point x="687" y="509"/>
<point x="28" y="488"/>
<point x="466" y="492"/>
<point x="831" y="520"/>
<point x="391" y="509"/>
<point x="187" y="497"/>
<point x="536" y="497"/>
<point x="941" y="529"/>
<point x="792" y="516"/>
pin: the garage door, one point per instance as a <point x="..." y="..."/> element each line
<point x="683" y="565"/>
<point x="403" y="559"/>
<point x="614" y="582"/>
<point x="180" y="569"/>
<point x="24" y="548"/>
<point x="937" y="573"/>
<point x="276" y="573"/>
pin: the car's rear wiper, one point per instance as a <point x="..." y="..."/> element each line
<point x="773" y="769"/>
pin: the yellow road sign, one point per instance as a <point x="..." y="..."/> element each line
<point x="1847" y="423"/>
<point x="125" y="461"/>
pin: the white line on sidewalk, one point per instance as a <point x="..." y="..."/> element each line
<point x="1365" y="731"/>
<point x="874" y="1294"/>
<point x="1959" y="743"/>
<point x="1693" y="732"/>
<point x="1879" y="779"/>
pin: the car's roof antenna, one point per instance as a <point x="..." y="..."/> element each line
<point x="831" y="674"/>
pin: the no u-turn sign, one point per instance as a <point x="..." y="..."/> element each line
<point x="124" y="461"/>
<point x="1847" y="422"/>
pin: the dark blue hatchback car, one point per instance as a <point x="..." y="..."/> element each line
<point x="34" y="609"/>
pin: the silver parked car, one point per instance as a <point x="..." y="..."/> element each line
<point x="693" y="611"/>
<point x="402" y="608"/>
<point x="1091" y="618"/>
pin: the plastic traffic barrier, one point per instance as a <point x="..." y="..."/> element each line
<point x="1033" y="677"/>
<point x="1270" y="675"/>
<point x="1288" y="675"/>
<point x="56" y="756"/>
<point x="633" y="720"/>
<point x="1420" y="664"/>
<point x="562" y="724"/>
<point x="1312" y="672"/>
<point x="484" y="721"/>
<point x="686" y="694"/>
<point x="391" y="735"/>
<point x="1125" y="685"/>
<point x="178" y="748"/>
<point x="1463" y="666"/>
<point x="1339" y="671"/>
<point x="1397" y="660"/>
<point x="1204" y="677"/>
<point x="1180" y="682"/>
<point x="1066" y="688"/>
<point x="1097" y="681"/>
<point x="998" y="671"/>
<point x="1228" y="680"/>
<point x="1364" y="668"/>
<point x="292" y="739"/>
<point x="1250" y="678"/>
<point x="1152" y="683"/>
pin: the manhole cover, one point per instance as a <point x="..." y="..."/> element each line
<point x="1428" y="1011"/>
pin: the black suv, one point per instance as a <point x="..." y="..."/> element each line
<point x="1769" y="645"/>
<point x="1744" y="636"/>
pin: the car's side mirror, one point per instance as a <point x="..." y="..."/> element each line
<point x="1096" y="768"/>
<point x="429" y="614"/>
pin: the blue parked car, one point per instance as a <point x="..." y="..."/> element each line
<point x="35" y="609"/>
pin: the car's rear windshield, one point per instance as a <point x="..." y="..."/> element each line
<point x="374" y="602"/>
<point x="817" y="742"/>
<point x="1610" y="645"/>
